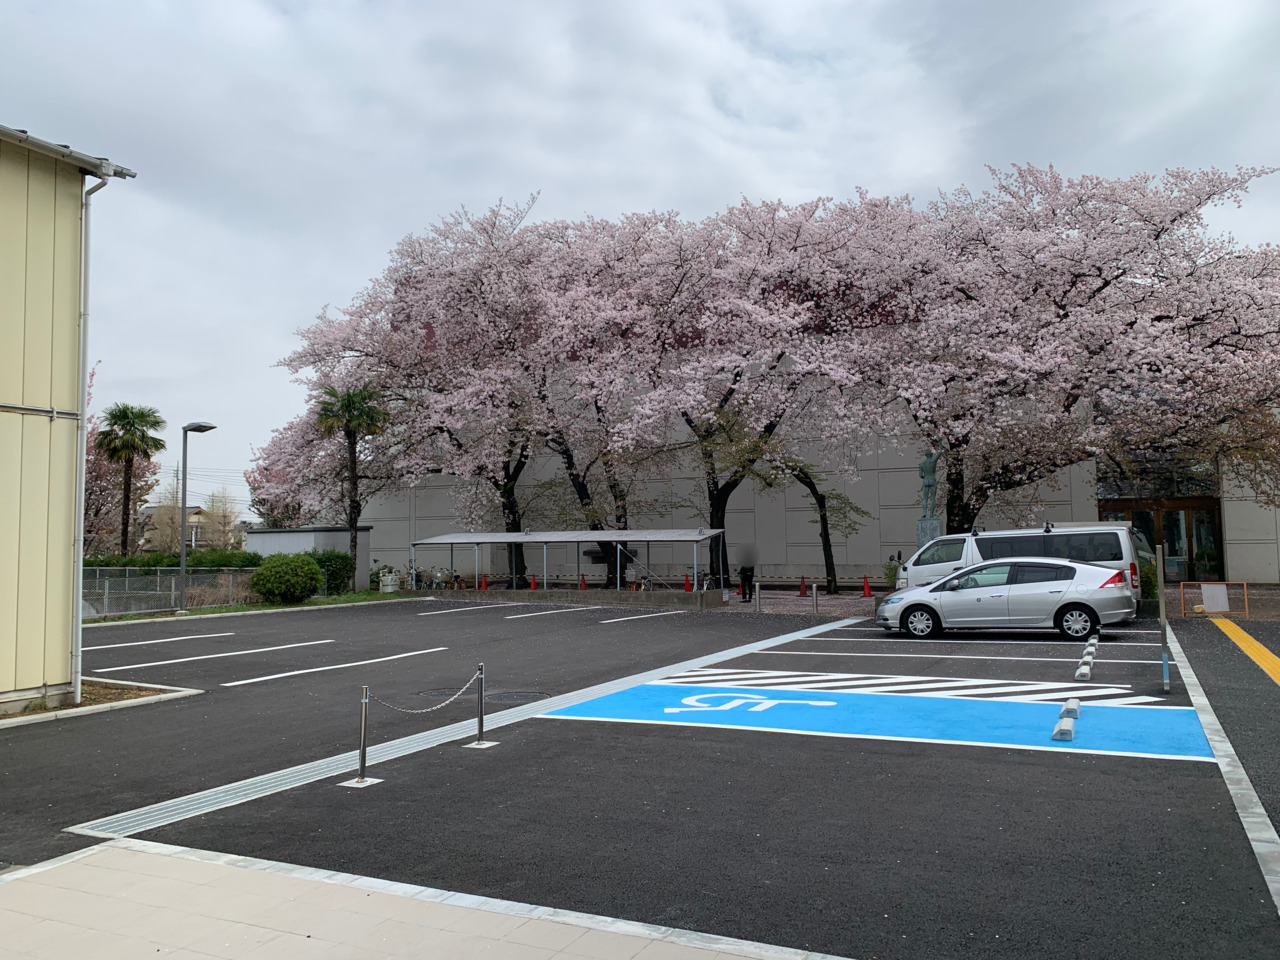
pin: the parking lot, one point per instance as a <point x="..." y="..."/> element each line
<point x="797" y="781"/>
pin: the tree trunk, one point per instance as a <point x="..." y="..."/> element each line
<point x="124" y="516"/>
<point x="824" y="527"/>
<point x="353" y="496"/>
<point x="962" y="510"/>
<point x="512" y="515"/>
<point x="608" y="549"/>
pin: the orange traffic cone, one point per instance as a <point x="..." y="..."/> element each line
<point x="688" y="587"/>
<point x="866" y="587"/>
<point x="740" y="588"/>
<point x="484" y="581"/>
<point x="582" y="581"/>
<point x="804" y="590"/>
<point x="533" y="582"/>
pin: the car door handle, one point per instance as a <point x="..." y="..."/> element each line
<point x="996" y="596"/>
<point x="954" y="569"/>
<point x="1055" y="591"/>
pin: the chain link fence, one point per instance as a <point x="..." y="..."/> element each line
<point x="112" y="591"/>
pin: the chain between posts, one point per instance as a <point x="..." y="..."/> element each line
<point x="438" y="706"/>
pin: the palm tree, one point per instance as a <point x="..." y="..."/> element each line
<point x="126" y="436"/>
<point x="355" y="414"/>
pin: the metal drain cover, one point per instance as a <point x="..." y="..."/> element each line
<point x="516" y="696"/>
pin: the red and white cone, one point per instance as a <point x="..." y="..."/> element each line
<point x="866" y="587"/>
<point x="804" y="589"/>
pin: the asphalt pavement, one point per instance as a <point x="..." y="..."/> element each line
<point x="57" y="774"/>
<point x="843" y="792"/>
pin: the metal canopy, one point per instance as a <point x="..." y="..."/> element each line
<point x="574" y="536"/>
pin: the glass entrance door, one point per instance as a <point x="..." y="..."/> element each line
<point x="1190" y="530"/>
<point x="1176" y="556"/>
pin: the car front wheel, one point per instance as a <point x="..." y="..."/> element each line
<point x="920" y="622"/>
<point x="1077" y="623"/>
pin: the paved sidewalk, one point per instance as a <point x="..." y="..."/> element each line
<point x="131" y="898"/>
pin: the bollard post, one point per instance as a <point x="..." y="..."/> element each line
<point x="1164" y="622"/>
<point x="815" y="598"/>
<point x="480" y="743"/>
<point x="756" y="588"/>
<point x="480" y="705"/>
<point x="364" y="731"/>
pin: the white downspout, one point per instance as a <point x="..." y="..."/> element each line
<point x="82" y="433"/>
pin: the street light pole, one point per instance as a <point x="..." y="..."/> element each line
<point x="197" y="427"/>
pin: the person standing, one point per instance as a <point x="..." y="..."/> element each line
<point x="747" y="570"/>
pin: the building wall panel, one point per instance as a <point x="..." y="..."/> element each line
<point x="64" y="372"/>
<point x="10" y="510"/>
<point x="60" y="566"/>
<point x="33" y="552"/>
<point x="38" y="339"/>
<point x="13" y="269"/>
<point x="40" y="204"/>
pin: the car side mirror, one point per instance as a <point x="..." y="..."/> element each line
<point x="953" y="585"/>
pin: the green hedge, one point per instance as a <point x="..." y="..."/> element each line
<point x="195" y="558"/>
<point x="287" y="578"/>
<point x="338" y="569"/>
<point x="1147" y="577"/>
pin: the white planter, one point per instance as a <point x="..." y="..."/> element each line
<point x="389" y="583"/>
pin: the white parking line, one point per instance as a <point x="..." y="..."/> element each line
<point x="1107" y="630"/>
<point x="212" y="656"/>
<point x="969" y="641"/>
<point x="483" y="606"/>
<point x="143" y="643"/>
<point x="644" y="616"/>
<point x="939" y="656"/>
<point x="543" y="613"/>
<point x="336" y="666"/>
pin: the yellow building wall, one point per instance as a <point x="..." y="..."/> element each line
<point x="40" y="210"/>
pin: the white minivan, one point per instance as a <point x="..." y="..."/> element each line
<point x="1115" y="544"/>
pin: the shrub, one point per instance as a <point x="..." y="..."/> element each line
<point x="287" y="578"/>
<point x="1147" y="577"/>
<point x="338" y="568"/>
<point x="891" y="574"/>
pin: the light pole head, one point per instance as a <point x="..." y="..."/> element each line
<point x="199" y="427"/>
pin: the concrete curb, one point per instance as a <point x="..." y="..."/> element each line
<point x="251" y="613"/>
<point x="70" y="713"/>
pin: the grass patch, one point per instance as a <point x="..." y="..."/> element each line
<point x="359" y="596"/>
<point x="91" y="695"/>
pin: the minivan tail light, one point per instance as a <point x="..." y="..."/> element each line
<point x="1136" y="581"/>
<point x="1116" y="580"/>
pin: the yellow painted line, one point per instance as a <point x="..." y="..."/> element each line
<point x="1259" y="654"/>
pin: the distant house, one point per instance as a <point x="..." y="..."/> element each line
<point x="43" y="317"/>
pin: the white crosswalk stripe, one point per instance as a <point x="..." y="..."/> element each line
<point x="986" y="689"/>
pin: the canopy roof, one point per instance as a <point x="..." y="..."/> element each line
<point x="574" y="536"/>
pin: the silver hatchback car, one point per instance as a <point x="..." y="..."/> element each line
<point x="1075" y="597"/>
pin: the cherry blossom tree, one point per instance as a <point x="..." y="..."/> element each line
<point x="1089" y="317"/>
<point x="760" y="347"/>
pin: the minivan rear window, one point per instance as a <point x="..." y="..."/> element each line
<point x="998" y="547"/>
<point x="1088" y="547"/>
<point x="1084" y="547"/>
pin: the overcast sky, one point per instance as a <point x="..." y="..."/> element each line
<point x="282" y="148"/>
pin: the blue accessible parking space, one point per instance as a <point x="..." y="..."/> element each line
<point x="1172" y="733"/>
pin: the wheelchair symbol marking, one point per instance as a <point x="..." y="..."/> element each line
<point x="758" y="703"/>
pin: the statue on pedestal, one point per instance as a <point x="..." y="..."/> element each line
<point x="929" y="486"/>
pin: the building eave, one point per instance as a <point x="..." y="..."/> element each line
<point x="94" y="166"/>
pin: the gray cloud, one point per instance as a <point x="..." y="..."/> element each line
<point x="284" y="147"/>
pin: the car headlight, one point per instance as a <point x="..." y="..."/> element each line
<point x="892" y="600"/>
